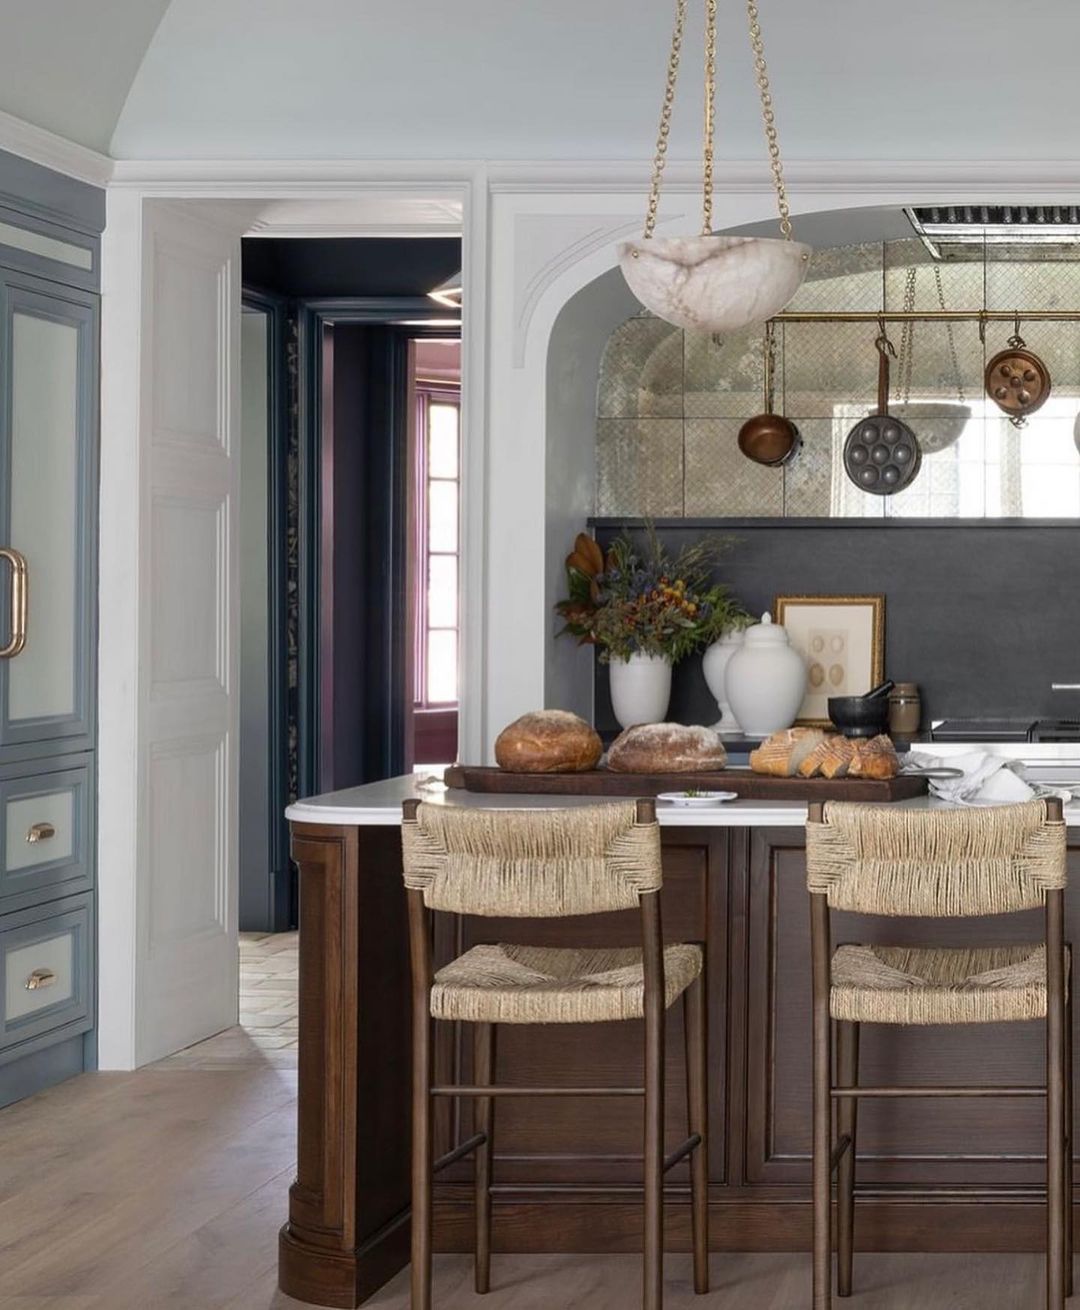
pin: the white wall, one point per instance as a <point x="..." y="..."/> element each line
<point x="581" y="79"/>
<point x="578" y="338"/>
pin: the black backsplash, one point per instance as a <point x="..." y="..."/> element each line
<point x="984" y="616"/>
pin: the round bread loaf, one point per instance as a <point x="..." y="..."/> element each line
<point x="548" y="741"/>
<point x="666" y="748"/>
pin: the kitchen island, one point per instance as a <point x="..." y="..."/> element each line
<point x="966" y="1176"/>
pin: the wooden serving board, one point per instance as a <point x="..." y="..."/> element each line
<point x="748" y="785"/>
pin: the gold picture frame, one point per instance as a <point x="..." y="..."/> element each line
<point x="843" y="650"/>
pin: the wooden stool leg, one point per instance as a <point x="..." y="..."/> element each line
<point x="1068" y="1134"/>
<point x="653" y="1271"/>
<point x="822" y="1137"/>
<point x="484" y="1073"/>
<point x="697" y="1112"/>
<point x="421" y="1159"/>
<point x="847" y="1113"/>
<point x="1055" y="1152"/>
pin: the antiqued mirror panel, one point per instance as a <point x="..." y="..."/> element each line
<point x="670" y="403"/>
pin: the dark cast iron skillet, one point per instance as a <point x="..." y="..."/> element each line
<point x="881" y="453"/>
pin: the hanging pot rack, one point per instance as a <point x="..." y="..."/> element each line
<point x="981" y="316"/>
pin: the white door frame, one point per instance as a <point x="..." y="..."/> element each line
<point x="234" y="205"/>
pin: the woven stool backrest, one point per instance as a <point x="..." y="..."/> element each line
<point x="883" y="859"/>
<point x="535" y="864"/>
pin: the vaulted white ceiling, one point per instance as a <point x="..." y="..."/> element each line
<point x="68" y="65"/>
<point x="546" y="79"/>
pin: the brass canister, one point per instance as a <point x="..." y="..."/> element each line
<point x="905" y="710"/>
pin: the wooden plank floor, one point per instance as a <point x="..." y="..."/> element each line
<point x="165" y="1188"/>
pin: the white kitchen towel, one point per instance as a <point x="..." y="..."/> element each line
<point x="987" y="779"/>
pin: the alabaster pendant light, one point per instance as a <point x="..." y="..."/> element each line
<point x="712" y="283"/>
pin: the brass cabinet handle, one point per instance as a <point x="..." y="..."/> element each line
<point x="20" y="595"/>
<point x="40" y="832"/>
<point x="40" y="978"/>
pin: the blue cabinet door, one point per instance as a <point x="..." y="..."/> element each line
<point x="48" y="489"/>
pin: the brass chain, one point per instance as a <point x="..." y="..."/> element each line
<point x="957" y="375"/>
<point x="660" y="159"/>
<point x="768" y="117"/>
<point x="710" y="106"/>
<point x="907" y="336"/>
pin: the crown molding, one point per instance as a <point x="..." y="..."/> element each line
<point x="1027" y="178"/>
<point x="279" y="177"/>
<point x="51" y="151"/>
<point x="955" y="180"/>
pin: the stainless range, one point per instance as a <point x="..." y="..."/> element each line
<point x="1006" y="730"/>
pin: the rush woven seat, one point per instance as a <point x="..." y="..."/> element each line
<point x="917" y="985"/>
<point x="542" y="984"/>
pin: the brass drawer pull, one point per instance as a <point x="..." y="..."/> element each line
<point x="20" y="594"/>
<point x="40" y="978"/>
<point x="40" y="832"/>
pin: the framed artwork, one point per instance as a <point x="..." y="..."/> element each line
<point x="842" y="639"/>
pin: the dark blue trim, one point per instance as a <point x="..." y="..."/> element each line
<point x="280" y="898"/>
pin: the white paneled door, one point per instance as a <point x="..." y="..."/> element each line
<point x="188" y="632"/>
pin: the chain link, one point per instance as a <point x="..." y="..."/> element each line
<point x="768" y="117"/>
<point x="955" y="362"/>
<point x="907" y="336"/>
<point x="660" y="158"/>
<point x="710" y="107"/>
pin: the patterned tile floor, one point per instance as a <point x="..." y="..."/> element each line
<point x="267" y="1031"/>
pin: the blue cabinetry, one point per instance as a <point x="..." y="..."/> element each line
<point x="49" y="399"/>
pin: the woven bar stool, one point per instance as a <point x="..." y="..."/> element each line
<point x="884" y="860"/>
<point x="540" y="865"/>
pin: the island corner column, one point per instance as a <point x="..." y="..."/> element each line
<point x="348" y="1226"/>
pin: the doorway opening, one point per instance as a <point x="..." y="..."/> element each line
<point x="349" y="551"/>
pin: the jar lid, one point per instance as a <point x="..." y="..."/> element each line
<point x="905" y="689"/>
<point x="767" y="633"/>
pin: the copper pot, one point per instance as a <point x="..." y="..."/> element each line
<point x="769" y="438"/>
<point x="1017" y="380"/>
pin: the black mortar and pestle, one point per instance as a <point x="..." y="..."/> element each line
<point x="862" y="716"/>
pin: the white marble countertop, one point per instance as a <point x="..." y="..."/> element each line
<point x="379" y="804"/>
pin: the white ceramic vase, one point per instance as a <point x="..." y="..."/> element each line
<point x="714" y="666"/>
<point x="766" y="680"/>
<point x="640" y="689"/>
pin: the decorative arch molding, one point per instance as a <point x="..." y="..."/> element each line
<point x="554" y="246"/>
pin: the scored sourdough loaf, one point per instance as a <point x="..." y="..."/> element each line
<point x="548" y="741"/>
<point x="783" y="752"/>
<point x="666" y="748"/>
<point x="874" y="758"/>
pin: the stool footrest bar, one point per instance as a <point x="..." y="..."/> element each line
<point x="681" y="1152"/>
<point x="466" y="1148"/>
<point x="537" y="1091"/>
<point x="886" y="1092"/>
<point x="842" y="1146"/>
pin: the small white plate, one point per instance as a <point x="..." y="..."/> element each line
<point x="697" y="800"/>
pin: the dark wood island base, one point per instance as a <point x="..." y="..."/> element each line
<point x="954" y="1177"/>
